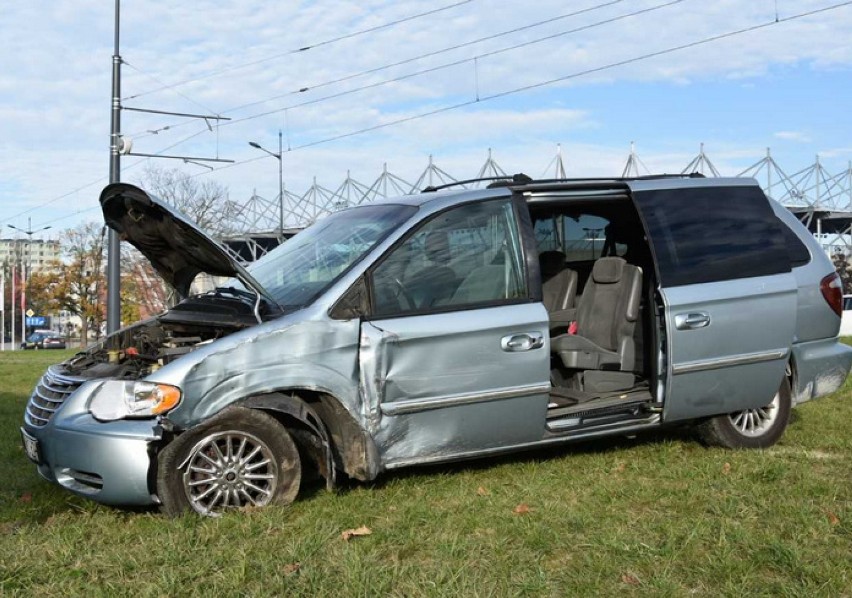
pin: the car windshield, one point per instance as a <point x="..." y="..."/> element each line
<point x="305" y="266"/>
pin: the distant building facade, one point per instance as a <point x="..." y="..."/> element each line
<point x="37" y="254"/>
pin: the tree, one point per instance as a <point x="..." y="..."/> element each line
<point x="81" y="285"/>
<point x="205" y="203"/>
<point x="43" y="287"/>
<point x="143" y="292"/>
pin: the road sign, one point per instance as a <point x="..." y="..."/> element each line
<point x="33" y="321"/>
<point x="30" y="313"/>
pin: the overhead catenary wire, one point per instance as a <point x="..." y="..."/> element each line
<point x="124" y="169"/>
<point x="374" y="70"/>
<point x="327" y="42"/>
<point x="434" y="53"/>
<point x="459" y="62"/>
<point x="180" y="93"/>
<point x="97" y="181"/>
<point x="540" y="84"/>
<point x="563" y="78"/>
<point x="520" y="89"/>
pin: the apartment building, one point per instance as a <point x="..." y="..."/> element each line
<point x="37" y="254"/>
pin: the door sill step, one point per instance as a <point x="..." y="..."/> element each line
<point x="634" y="407"/>
<point x="581" y="427"/>
<point x="619" y="400"/>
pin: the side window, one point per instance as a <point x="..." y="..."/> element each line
<point x="581" y="237"/>
<point x="799" y="254"/>
<point x="708" y="234"/>
<point x="466" y="256"/>
<point x="547" y="237"/>
<point x="586" y="236"/>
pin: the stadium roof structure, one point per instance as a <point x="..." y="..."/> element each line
<point x="820" y="199"/>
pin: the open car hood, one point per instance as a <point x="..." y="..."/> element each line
<point x="177" y="248"/>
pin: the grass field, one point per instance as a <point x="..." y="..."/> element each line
<point x="659" y="514"/>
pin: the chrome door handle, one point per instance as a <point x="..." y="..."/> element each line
<point x="524" y="341"/>
<point x="692" y="321"/>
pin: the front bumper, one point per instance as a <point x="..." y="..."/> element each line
<point x="821" y="368"/>
<point x="109" y="462"/>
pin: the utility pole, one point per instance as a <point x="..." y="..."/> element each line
<point x="113" y="242"/>
<point x="26" y="271"/>
<point x="119" y="145"/>
<point x="13" y="306"/>
<point x="280" y="189"/>
<point x="3" y="307"/>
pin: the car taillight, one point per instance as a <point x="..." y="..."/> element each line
<point x="832" y="291"/>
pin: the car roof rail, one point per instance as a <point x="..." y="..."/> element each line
<point x="523" y="179"/>
<point x="497" y="181"/>
<point x="682" y="175"/>
<point x="644" y="177"/>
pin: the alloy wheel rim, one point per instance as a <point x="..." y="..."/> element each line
<point x="756" y="422"/>
<point x="229" y="470"/>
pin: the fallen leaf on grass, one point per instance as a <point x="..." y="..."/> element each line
<point x="291" y="568"/>
<point x="26" y="497"/>
<point x="352" y="533"/>
<point x="619" y="468"/>
<point x="832" y="518"/>
<point x="521" y="509"/>
<point x="630" y="579"/>
<point x="726" y="468"/>
<point x="10" y="527"/>
<point x="481" y="491"/>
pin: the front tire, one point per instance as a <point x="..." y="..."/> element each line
<point x="750" y="428"/>
<point x="240" y="458"/>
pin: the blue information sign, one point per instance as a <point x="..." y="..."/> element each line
<point x="35" y="321"/>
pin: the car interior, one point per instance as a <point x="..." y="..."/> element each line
<point x="466" y="256"/>
<point x="597" y="285"/>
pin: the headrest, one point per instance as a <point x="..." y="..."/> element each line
<point x="551" y="262"/>
<point x="438" y="246"/>
<point x="608" y="270"/>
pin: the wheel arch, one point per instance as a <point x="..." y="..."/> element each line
<point x="792" y="375"/>
<point x="324" y="430"/>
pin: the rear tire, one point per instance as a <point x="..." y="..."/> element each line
<point x="240" y="458"/>
<point x="750" y="428"/>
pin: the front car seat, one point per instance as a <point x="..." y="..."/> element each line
<point x="436" y="282"/>
<point x="558" y="283"/>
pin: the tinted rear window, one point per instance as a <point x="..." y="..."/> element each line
<point x="799" y="254"/>
<point x="708" y="234"/>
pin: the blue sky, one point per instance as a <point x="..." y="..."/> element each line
<point x="786" y="86"/>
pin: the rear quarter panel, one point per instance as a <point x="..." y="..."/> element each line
<point x="814" y="318"/>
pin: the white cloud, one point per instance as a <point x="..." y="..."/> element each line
<point x="793" y="136"/>
<point x="54" y="85"/>
<point x="837" y="152"/>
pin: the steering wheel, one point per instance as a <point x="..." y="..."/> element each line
<point x="402" y="292"/>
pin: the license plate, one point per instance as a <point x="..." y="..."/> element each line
<point x="30" y="447"/>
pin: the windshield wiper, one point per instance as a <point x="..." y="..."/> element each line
<point x="254" y="298"/>
<point x="235" y="292"/>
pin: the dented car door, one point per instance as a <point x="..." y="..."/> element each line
<point x="454" y="359"/>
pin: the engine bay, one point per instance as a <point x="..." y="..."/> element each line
<point x="143" y="348"/>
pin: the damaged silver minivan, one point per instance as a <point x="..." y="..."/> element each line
<point x="449" y="325"/>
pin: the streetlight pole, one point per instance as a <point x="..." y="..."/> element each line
<point x="280" y="157"/>
<point x="29" y="232"/>
<point x="280" y="189"/>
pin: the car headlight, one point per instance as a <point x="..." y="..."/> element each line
<point x="120" y="399"/>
